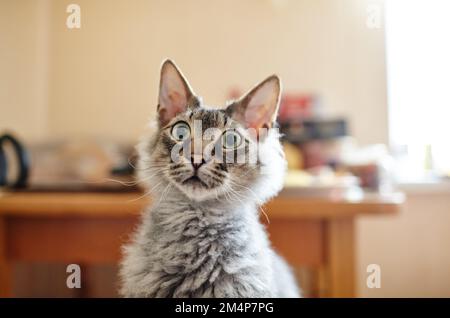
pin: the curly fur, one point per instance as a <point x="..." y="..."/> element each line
<point x="209" y="242"/>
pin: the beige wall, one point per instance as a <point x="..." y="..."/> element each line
<point x="24" y="49"/>
<point x="412" y="248"/>
<point x="103" y="77"/>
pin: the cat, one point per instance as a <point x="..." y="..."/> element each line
<point x="202" y="236"/>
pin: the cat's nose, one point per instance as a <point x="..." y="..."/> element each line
<point x="197" y="162"/>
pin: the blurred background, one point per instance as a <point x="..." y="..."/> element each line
<point x="365" y="107"/>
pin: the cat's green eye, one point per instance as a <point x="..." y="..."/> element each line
<point x="231" y="139"/>
<point x="181" y="131"/>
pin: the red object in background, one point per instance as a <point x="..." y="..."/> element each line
<point x="297" y="106"/>
<point x="314" y="154"/>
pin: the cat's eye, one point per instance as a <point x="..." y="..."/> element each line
<point x="181" y="131"/>
<point x="231" y="139"/>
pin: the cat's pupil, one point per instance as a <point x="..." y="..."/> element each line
<point x="180" y="131"/>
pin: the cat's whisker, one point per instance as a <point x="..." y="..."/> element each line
<point x="105" y="180"/>
<point x="265" y="214"/>
<point x="129" y="162"/>
<point x="144" y="180"/>
<point x="147" y="193"/>
<point x="236" y="195"/>
<point x="164" y="192"/>
<point x="154" y="172"/>
<point x="246" y="188"/>
<point x="225" y="193"/>
<point x="255" y="196"/>
<point x="250" y="170"/>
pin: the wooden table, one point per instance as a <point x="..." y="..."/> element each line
<point x="89" y="228"/>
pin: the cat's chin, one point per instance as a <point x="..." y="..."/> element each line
<point x="197" y="193"/>
<point x="196" y="190"/>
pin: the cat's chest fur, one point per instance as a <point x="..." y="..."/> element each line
<point x="203" y="251"/>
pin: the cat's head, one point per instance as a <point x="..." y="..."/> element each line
<point x="232" y="153"/>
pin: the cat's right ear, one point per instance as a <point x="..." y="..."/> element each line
<point x="175" y="93"/>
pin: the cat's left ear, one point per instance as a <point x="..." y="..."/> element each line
<point x="175" y="93"/>
<point x="259" y="107"/>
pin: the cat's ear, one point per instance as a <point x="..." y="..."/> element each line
<point x="175" y="93"/>
<point x="259" y="107"/>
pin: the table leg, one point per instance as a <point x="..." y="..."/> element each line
<point x="5" y="268"/>
<point x="340" y="257"/>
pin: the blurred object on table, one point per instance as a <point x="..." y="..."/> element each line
<point x="302" y="118"/>
<point x="297" y="130"/>
<point x="324" y="163"/>
<point x="300" y="106"/>
<point x="322" y="182"/>
<point x="14" y="162"/>
<point x="322" y="147"/>
<point x="81" y="165"/>
<point x="318" y="153"/>
<point x="372" y="165"/>
<point x="294" y="156"/>
<point x="304" y="125"/>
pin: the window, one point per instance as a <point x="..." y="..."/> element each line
<point x="418" y="68"/>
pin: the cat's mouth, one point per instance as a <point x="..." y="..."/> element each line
<point x="195" y="181"/>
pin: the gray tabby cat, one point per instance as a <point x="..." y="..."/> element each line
<point x="202" y="236"/>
